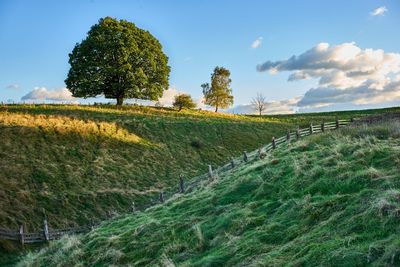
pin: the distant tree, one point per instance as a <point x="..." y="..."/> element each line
<point x="219" y="94"/>
<point x="183" y="101"/>
<point x="120" y="61"/>
<point x="259" y="103"/>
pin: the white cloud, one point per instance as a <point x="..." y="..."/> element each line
<point x="380" y="11"/>
<point x="345" y="74"/>
<point x="359" y="95"/>
<point x="257" y="43"/>
<point x="13" y="86"/>
<point x="168" y="97"/>
<point x="42" y="93"/>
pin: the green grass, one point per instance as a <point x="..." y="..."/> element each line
<point x="80" y="162"/>
<point x="327" y="200"/>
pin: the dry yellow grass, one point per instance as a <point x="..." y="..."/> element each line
<point x="65" y="125"/>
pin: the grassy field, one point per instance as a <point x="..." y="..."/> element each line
<point x="327" y="200"/>
<point x="80" y="163"/>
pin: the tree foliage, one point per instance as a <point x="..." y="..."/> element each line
<point x="259" y="103"/>
<point x="120" y="61"/>
<point x="183" y="101"/>
<point x="219" y="94"/>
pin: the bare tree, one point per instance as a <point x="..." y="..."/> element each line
<point x="259" y="103"/>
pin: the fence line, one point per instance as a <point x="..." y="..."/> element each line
<point x="52" y="234"/>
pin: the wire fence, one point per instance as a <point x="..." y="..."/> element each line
<point x="52" y="234"/>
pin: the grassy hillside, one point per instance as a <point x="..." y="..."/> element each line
<point x="80" y="163"/>
<point x="326" y="200"/>
<point x="84" y="162"/>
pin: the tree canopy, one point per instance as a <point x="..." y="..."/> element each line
<point x="219" y="94"/>
<point x="120" y="61"/>
<point x="183" y="101"/>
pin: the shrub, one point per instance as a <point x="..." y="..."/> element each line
<point x="183" y="101"/>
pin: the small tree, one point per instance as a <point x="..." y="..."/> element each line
<point x="183" y="101"/>
<point x="120" y="61"/>
<point x="259" y="103"/>
<point x="219" y="94"/>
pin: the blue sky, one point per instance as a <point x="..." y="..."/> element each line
<point x="36" y="37"/>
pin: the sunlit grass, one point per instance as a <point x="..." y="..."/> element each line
<point x="66" y="126"/>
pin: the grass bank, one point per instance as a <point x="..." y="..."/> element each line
<point x="331" y="199"/>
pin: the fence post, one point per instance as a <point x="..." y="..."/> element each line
<point x="245" y="157"/>
<point x="181" y="184"/>
<point x="232" y="163"/>
<point x="351" y="119"/>
<point x="311" y="128"/>
<point x="21" y="234"/>
<point x="46" y="230"/>
<point x="337" y="123"/>
<point x="91" y="224"/>
<point x="288" y="136"/>
<point x="162" y="197"/>
<point x="210" y="171"/>
<point x="297" y="133"/>
<point x="323" y="127"/>
<point x="273" y="142"/>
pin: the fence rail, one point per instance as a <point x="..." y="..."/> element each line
<point x="52" y="234"/>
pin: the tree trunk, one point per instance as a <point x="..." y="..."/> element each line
<point x="180" y="108"/>
<point x="260" y="112"/>
<point x="120" y="100"/>
<point x="216" y="108"/>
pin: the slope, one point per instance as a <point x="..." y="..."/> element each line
<point x="326" y="200"/>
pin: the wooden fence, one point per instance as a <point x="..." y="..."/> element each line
<point x="43" y="236"/>
<point x="51" y="234"/>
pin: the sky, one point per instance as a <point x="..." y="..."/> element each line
<point x="301" y="55"/>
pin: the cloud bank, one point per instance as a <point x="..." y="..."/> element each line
<point x="42" y="93"/>
<point x="345" y="73"/>
<point x="288" y="106"/>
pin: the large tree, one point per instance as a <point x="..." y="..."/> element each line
<point x="120" y="61"/>
<point x="219" y="94"/>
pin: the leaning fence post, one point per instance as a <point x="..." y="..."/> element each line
<point x="232" y="163"/>
<point x="181" y="184"/>
<point x="21" y="234"/>
<point x="297" y="133"/>
<point x="46" y="230"/>
<point x="323" y="127"/>
<point x="337" y="123"/>
<point x="288" y="136"/>
<point x="273" y="142"/>
<point x="311" y="128"/>
<point x="210" y="171"/>
<point x="245" y="157"/>
<point x="162" y="197"/>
